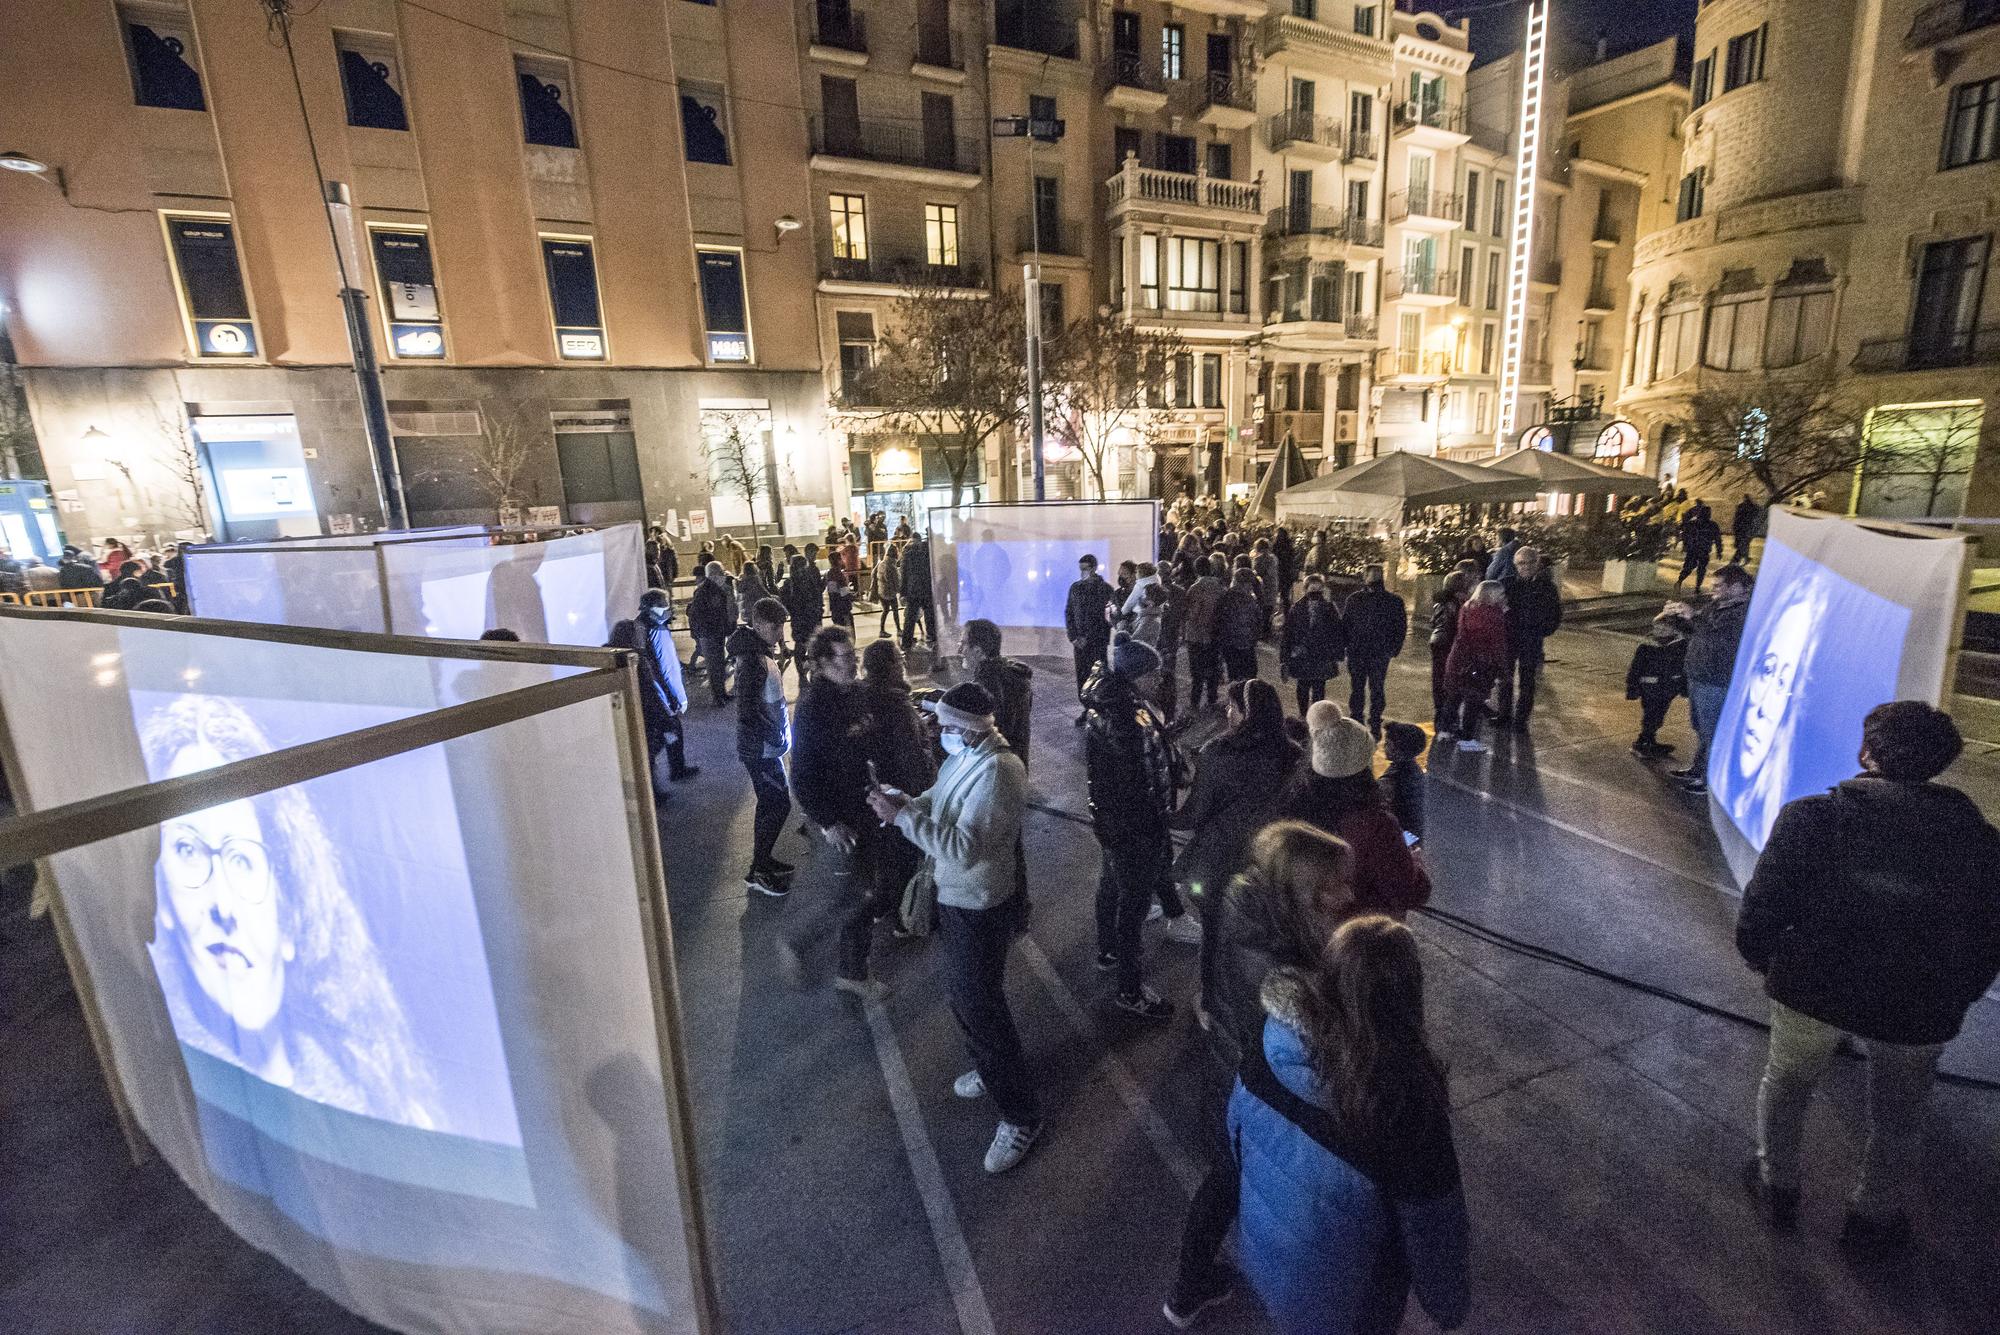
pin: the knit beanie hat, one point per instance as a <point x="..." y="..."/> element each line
<point x="1132" y="658"/>
<point x="1340" y="746"/>
<point x="966" y="705"/>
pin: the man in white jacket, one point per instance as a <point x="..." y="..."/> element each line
<point x="969" y="825"/>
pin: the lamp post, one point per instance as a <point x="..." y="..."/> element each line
<point x="1049" y="131"/>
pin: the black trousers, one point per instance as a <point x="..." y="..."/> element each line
<point x="1517" y="683"/>
<point x="1368" y="685"/>
<point x="974" y="947"/>
<point x="1135" y="871"/>
<point x="1205" y="667"/>
<point x="1239" y="661"/>
<point x="717" y="663"/>
<point x="774" y="804"/>
<point x="876" y="873"/>
<point x="889" y="614"/>
<point x="1654" y="702"/>
<point x="1696" y="566"/>
<point x="1310" y="692"/>
<point x="1444" y="703"/>
<point x="912" y="609"/>
<point x="1216" y="1200"/>
<point x="669" y="739"/>
<point x="1087" y="655"/>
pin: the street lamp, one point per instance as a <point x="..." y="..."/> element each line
<point x="1049" y="131"/>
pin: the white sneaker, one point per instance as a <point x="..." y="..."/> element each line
<point x="1471" y="744"/>
<point x="969" y="1085"/>
<point x="868" y="989"/>
<point x="1184" y="930"/>
<point x="1010" y="1145"/>
<point x="1155" y="913"/>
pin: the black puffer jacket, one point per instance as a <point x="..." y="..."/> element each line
<point x="1129" y="759"/>
<point x="1238" y="782"/>
<point x="760" y="720"/>
<point x="1875" y="908"/>
<point x="1377" y="623"/>
<point x="1315" y="642"/>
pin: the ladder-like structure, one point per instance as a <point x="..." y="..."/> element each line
<point x="1534" y="63"/>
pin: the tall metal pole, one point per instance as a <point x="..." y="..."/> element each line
<point x="1534" y="57"/>
<point x="1031" y="284"/>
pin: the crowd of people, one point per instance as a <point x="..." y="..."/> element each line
<point x="120" y="579"/>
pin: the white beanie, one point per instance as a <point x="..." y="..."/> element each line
<point x="1340" y="746"/>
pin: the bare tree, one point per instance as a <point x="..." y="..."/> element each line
<point x="20" y="452"/>
<point x="954" y="374"/>
<point x="182" y="465"/>
<point x="1781" y="435"/>
<point x="497" y="465"/>
<point x="733" y="445"/>
<point x="1105" y="379"/>
<point x="1917" y="457"/>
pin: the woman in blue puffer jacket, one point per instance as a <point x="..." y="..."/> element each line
<point x="1350" y="1189"/>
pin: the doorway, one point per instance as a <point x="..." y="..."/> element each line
<point x="258" y="476"/>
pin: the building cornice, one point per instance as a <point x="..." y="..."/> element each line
<point x="1607" y="172"/>
<point x="1670" y="90"/>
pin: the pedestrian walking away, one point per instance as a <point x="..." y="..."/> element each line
<point x="1445" y="606"/>
<point x="1314" y="643"/>
<point x="918" y="605"/>
<point x="1478" y="657"/>
<point x="762" y="738"/>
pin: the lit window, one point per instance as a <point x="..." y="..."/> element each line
<point x="723" y="305"/>
<point x="159" y="48"/>
<point x="203" y="251"/>
<point x="1972" y="134"/>
<point x="548" y="115"/>
<point x="1194" y="274"/>
<point x="372" y="80"/>
<point x="941" y="235"/>
<point x="848" y="215"/>
<point x="571" y="265"/>
<point x="704" y="126"/>
<point x="1173" y="46"/>
<point x="409" y="293"/>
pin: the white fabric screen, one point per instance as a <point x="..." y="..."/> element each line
<point x="422" y="1065"/>
<point x="1844" y="617"/>
<point x="1013" y="563"/>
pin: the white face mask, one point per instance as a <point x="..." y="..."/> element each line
<point x="953" y="742"/>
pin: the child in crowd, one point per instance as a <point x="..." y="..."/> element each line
<point x="1658" y="674"/>
<point x="1403" y="783"/>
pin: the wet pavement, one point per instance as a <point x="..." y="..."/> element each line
<point x="1600" y="1128"/>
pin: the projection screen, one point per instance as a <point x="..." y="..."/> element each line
<point x="1012" y="563"/>
<point x="406" y="1024"/>
<point x="1846" y="615"/>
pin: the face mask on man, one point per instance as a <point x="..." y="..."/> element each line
<point x="953" y="742"/>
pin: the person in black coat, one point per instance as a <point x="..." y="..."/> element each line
<point x="1445" y="606"/>
<point x="711" y="616"/>
<point x="1377" y="623"/>
<point x="1743" y="527"/>
<point x="1083" y="620"/>
<point x="1873" y="913"/>
<point x="1701" y="538"/>
<point x="1313" y="644"/>
<point x="78" y="571"/>
<point x="1534" y="612"/>
<point x="1656" y="677"/>
<point x="917" y="594"/>
<point x="1239" y="624"/>
<point x="804" y="597"/>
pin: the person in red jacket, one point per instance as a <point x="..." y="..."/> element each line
<point x="1338" y="793"/>
<point x="1478" y="657"/>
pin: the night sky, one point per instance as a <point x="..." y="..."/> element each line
<point x="1628" y="24"/>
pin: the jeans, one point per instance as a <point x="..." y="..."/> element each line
<point x="1370" y="683"/>
<point x="912" y="609"/>
<point x="1705" y="708"/>
<point x="774" y="804"/>
<point x="1899" y="1084"/>
<point x="1524" y="662"/>
<point x="1136" y="870"/>
<point x="1240" y="661"/>
<point x="1444" y="704"/>
<point x="1205" y="668"/>
<point x="876" y="872"/>
<point x="1310" y="692"/>
<point x="717" y="663"/>
<point x="974" y="944"/>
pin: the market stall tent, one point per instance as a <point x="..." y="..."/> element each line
<point x="1384" y="489"/>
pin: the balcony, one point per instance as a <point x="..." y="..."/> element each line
<point x="1361" y="147"/>
<point x="1604" y="235"/>
<point x="1537" y="375"/>
<point x="1304" y="135"/>
<point x="1426" y="210"/>
<point x="1323" y="220"/>
<point x="840" y="36"/>
<point x="1132" y="83"/>
<point x="1228" y="9"/>
<point x="1601" y="301"/>
<point x="1420" y="287"/>
<point x="891" y="272"/>
<point x="1979" y="347"/>
<point x="1308" y="41"/>
<point x="1430" y="124"/>
<point x="1361" y="328"/>
<point x="1412" y="364"/>
<point x="1056" y="238"/>
<point x="1545" y="275"/>
<point x="1937" y="24"/>
<point x="1304" y="429"/>
<point x="1228" y="100"/>
<point x="1136" y="187"/>
<point x="895" y="149"/>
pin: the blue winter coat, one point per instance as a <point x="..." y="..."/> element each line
<point x="1329" y="1249"/>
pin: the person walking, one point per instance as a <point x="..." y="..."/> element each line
<point x="918" y="603"/>
<point x="654" y="629"/>
<point x="1534" y="612"/>
<point x="1010" y="682"/>
<point x="762" y="738"/>
<point x="1239" y="622"/>
<point x="1743" y="525"/>
<point x="1198" y="615"/>
<point x="1083" y="620"/>
<point x="1701" y="538"/>
<point x="1872" y="915"/>
<point x="1350" y="1191"/>
<point x="804" y="596"/>
<point x="1130" y="767"/>
<point x="1377" y="623"/>
<point x="840" y="598"/>
<point x="889" y="588"/>
<point x="1265" y="562"/>
<point x="752" y="588"/>
<point x="1711" y="662"/>
<point x="969" y="825"/>
<point x="711" y="616"/>
<point x="1478" y="657"/>
<point x="1313" y="644"/>
<point x="1337" y="792"/>
<point x="1281" y="911"/>
<point x="1446" y="604"/>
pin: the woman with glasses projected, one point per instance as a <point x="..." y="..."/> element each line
<point x="1757" y="777"/>
<point x="263" y="958"/>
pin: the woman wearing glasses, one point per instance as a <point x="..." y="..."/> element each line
<point x="262" y="957"/>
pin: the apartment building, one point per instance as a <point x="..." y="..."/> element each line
<point x="1835" y="218"/>
<point x="576" y="225"/>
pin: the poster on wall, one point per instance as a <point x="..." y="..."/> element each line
<point x="697" y="523"/>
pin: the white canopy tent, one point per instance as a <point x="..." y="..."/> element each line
<point x="1382" y="490"/>
<point x="1565" y="473"/>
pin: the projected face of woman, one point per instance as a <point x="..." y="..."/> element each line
<point x="1774" y="679"/>
<point x="220" y="902"/>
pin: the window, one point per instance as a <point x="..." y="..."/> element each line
<point x="1703" y="81"/>
<point x="941" y="235"/>
<point x="1467" y="260"/>
<point x="1743" y="59"/>
<point x="1125" y="143"/>
<point x="1211" y="380"/>
<point x="1041" y="107"/>
<point x="840" y="118"/>
<point x="940" y="132"/>
<point x="571" y="265"/>
<point x="1357" y="200"/>
<point x="1798" y="327"/>
<point x="1048" y="211"/>
<point x="159" y="48"/>
<point x="409" y="292"/>
<point x="1364" y="20"/>
<point x="1753" y="432"/>
<point x="372" y="80"/>
<point x="704" y="124"/>
<point x="848" y="219"/>
<point x="1194" y="274"/>
<point x="546" y="115"/>
<point x="1950" y="286"/>
<point x="1149" y="270"/>
<point x="1054" y="317"/>
<point x="1220" y="161"/>
<point x="1239" y="277"/>
<point x="723" y="305"/>
<point x="1499" y="207"/>
<point x="1409" y="342"/>
<point x="1177" y="153"/>
<point x="1173" y="50"/>
<point x="1479" y="421"/>
<point x="1360" y="116"/>
<point x="1488" y="341"/>
<point x="1918" y="460"/>
<point x="1735" y="333"/>
<point x="856" y="332"/>
<point x="1305" y="9"/>
<point x="1471" y="199"/>
<point x="1689" y="204"/>
<point x="1492" y="282"/>
<point x="203" y="252"/>
<point x="1972" y="131"/>
<point x="1642" y="350"/>
<point x="1680" y="339"/>
<point x="1183" y="380"/>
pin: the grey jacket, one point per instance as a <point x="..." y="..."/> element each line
<point x="969" y="823"/>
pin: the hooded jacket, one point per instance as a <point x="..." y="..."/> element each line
<point x="1377" y="623"/>
<point x="1336" y="1232"/>
<point x="1314" y="641"/>
<point x="1012" y="686"/>
<point x="969" y="824"/>
<point x="1238" y="781"/>
<point x="712" y="609"/>
<point x="1875" y="909"/>
<point x="829" y="730"/>
<point x="1129" y="759"/>
<point x="761" y="732"/>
